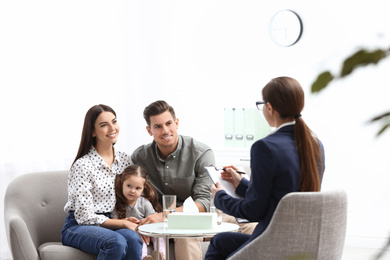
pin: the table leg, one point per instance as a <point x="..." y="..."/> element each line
<point x="166" y="248"/>
<point x="157" y="249"/>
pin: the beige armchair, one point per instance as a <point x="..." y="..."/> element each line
<point x="305" y="225"/>
<point x="34" y="216"/>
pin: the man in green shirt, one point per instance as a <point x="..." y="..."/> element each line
<point x="175" y="165"/>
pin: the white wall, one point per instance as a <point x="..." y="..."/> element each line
<point x="57" y="59"/>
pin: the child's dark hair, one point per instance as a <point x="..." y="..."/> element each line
<point x="149" y="193"/>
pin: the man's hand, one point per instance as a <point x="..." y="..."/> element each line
<point x="154" y="218"/>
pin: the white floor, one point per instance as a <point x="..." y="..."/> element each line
<point x="356" y="254"/>
<point x="364" y="254"/>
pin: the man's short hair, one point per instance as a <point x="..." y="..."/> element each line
<point x="157" y="108"/>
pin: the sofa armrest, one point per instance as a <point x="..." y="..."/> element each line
<point x="20" y="241"/>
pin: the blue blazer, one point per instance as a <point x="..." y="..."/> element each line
<point x="275" y="171"/>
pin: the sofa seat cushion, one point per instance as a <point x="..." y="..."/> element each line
<point x="57" y="251"/>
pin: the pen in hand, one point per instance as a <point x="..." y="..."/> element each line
<point x="223" y="169"/>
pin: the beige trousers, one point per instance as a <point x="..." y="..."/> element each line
<point x="190" y="249"/>
<point x="246" y="228"/>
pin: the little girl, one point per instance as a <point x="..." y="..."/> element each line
<point x="135" y="197"/>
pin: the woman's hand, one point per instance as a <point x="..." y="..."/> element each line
<point x="145" y="239"/>
<point x="153" y="218"/>
<point x="230" y="174"/>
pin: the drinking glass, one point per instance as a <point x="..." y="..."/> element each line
<point x="213" y="209"/>
<point x="169" y="205"/>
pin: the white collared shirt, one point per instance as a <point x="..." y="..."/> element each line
<point x="91" y="186"/>
<point x="282" y="125"/>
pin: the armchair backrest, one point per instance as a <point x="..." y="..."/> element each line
<point x="38" y="199"/>
<point x="305" y="225"/>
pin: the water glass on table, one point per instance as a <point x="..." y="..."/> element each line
<point x="169" y="205"/>
<point x="219" y="212"/>
<point x="213" y="209"/>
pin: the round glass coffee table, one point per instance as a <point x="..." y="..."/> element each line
<point x="160" y="230"/>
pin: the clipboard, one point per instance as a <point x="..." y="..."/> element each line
<point x="215" y="176"/>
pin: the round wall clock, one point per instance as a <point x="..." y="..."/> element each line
<point x="285" y="28"/>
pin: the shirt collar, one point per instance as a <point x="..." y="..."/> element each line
<point x="117" y="158"/>
<point x="178" y="148"/>
<point x="98" y="161"/>
<point x="282" y="125"/>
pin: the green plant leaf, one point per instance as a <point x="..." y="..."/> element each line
<point x="385" y="118"/>
<point x="382" y="129"/>
<point x="322" y="81"/>
<point x="384" y="115"/>
<point x="361" y="58"/>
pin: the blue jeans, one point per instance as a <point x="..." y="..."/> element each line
<point x="105" y="243"/>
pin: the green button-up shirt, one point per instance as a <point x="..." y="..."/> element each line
<point x="182" y="173"/>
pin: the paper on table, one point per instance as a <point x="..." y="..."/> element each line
<point x="215" y="176"/>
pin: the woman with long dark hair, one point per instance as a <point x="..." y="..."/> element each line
<point x="91" y="192"/>
<point x="290" y="159"/>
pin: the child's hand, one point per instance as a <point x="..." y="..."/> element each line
<point x="145" y="239"/>
<point x="130" y="225"/>
<point x="134" y="220"/>
<point x="114" y="223"/>
<point x="153" y="218"/>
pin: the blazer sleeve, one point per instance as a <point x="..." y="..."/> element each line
<point x="257" y="195"/>
<point x="242" y="187"/>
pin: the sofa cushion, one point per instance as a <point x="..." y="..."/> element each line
<point x="57" y="251"/>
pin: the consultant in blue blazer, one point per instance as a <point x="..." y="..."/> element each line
<point x="290" y="159"/>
